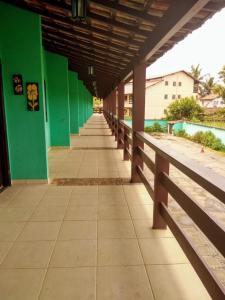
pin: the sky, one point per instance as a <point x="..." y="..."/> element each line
<point x="204" y="46"/>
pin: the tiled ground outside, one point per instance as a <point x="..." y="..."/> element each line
<point x="92" y="242"/>
<point x="87" y="243"/>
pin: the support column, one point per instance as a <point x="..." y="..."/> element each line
<point x="139" y="76"/>
<point x="113" y="99"/>
<point x="120" y="112"/>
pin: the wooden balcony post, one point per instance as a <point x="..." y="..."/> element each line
<point x="113" y="101"/>
<point x="138" y="116"/>
<point x="120" y="113"/>
<point x="126" y="144"/>
<point x="160" y="193"/>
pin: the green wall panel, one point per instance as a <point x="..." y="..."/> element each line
<point x="58" y="99"/>
<point x="74" y="102"/>
<point x="21" y="53"/>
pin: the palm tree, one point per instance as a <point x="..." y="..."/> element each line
<point x="196" y="72"/>
<point x="208" y="86"/>
<point x="222" y="74"/>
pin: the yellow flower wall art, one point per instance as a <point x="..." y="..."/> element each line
<point x="32" y="96"/>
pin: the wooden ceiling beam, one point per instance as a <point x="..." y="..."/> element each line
<point x="92" y="45"/>
<point x="62" y="34"/>
<point x="81" y="52"/>
<point x="87" y="58"/>
<point x="95" y="30"/>
<point x="84" y="50"/>
<point x="116" y="7"/>
<point x="67" y="8"/>
<point x="114" y="23"/>
<point x="123" y="49"/>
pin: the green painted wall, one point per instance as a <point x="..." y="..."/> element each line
<point x="46" y="101"/>
<point x="58" y="99"/>
<point x="21" y="50"/>
<point x="74" y="102"/>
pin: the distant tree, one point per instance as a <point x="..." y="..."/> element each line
<point x="196" y="72"/>
<point x="219" y="89"/>
<point x="207" y="86"/>
<point x="185" y="108"/>
<point x="222" y="74"/>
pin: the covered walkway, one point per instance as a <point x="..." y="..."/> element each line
<point x="89" y="239"/>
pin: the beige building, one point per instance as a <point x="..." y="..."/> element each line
<point x="161" y="91"/>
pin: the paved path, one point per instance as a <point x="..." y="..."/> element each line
<point x="89" y="242"/>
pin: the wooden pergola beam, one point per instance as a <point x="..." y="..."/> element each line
<point x="116" y="7"/>
<point x="46" y="25"/>
<point x="82" y="50"/>
<point x="69" y="37"/>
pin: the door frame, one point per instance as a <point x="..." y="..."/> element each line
<point x="4" y="155"/>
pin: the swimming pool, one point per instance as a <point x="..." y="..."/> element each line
<point x="190" y="128"/>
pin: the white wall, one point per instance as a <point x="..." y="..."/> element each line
<point x="155" y="104"/>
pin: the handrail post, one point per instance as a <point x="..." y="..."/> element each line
<point x="160" y="193"/>
<point x="139" y="77"/>
<point x="120" y="113"/>
<point x="126" y="143"/>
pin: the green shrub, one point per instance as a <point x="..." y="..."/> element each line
<point x="186" y="108"/>
<point x="156" y="127"/>
<point x="181" y="133"/>
<point x="208" y="139"/>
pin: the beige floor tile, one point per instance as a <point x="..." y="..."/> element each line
<point x="113" y="213"/>
<point x="35" y="254"/>
<point x="22" y="201"/>
<point x="78" y="230"/>
<point x="162" y="251"/>
<point x="144" y="229"/>
<point x="21" y="284"/>
<point x="9" y="231"/>
<point x="76" y="253"/>
<point x="111" y="189"/>
<point x="81" y="213"/>
<point x="70" y="283"/>
<point x="40" y="231"/>
<point x="54" y="201"/>
<point x="16" y="214"/>
<point x="112" y="199"/>
<point x="125" y="283"/>
<point x="141" y="212"/>
<point x="115" y="229"/>
<point x="4" y="248"/>
<point x="138" y="198"/>
<point x="58" y="191"/>
<point x="84" y="200"/>
<point x="112" y="252"/>
<point x="53" y="213"/>
<point x="176" y="282"/>
<point x="85" y="191"/>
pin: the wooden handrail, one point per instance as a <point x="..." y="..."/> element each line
<point x="163" y="184"/>
<point x="210" y="181"/>
<point x="123" y="123"/>
<point x="208" y="226"/>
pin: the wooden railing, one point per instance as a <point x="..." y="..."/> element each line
<point x="164" y="185"/>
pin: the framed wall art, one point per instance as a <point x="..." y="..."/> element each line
<point x="32" y="96"/>
<point x="17" y="84"/>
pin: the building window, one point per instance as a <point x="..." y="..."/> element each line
<point x="166" y="83"/>
<point x="179" y="96"/>
<point x="165" y="96"/>
<point x="130" y="98"/>
<point x="180" y="83"/>
<point x="174" y="97"/>
<point x="174" y="83"/>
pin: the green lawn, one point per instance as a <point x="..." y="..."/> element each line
<point x="220" y="124"/>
